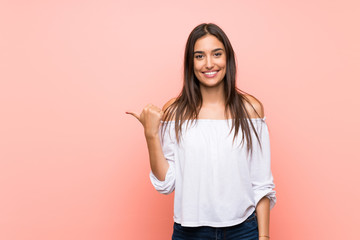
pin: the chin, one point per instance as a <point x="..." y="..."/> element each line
<point x="207" y="83"/>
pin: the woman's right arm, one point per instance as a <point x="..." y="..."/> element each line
<point x="150" y="118"/>
<point x="159" y="165"/>
<point x="160" y="152"/>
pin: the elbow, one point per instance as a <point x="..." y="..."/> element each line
<point x="265" y="191"/>
<point x="166" y="186"/>
<point x="270" y="194"/>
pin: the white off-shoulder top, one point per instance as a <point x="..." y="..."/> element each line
<point x="216" y="184"/>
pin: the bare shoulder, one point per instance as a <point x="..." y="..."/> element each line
<point x="168" y="103"/>
<point x="254" y="107"/>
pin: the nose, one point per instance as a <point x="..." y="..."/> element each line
<point x="209" y="63"/>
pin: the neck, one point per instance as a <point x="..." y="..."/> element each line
<point x="213" y="96"/>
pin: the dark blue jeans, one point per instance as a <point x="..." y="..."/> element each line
<point x="247" y="230"/>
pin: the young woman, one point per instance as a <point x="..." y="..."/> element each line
<point x="211" y="145"/>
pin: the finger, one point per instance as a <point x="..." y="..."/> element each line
<point x="134" y="114"/>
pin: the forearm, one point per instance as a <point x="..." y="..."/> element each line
<point x="263" y="217"/>
<point x="158" y="163"/>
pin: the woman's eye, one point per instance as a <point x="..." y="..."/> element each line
<point x="218" y="54"/>
<point x="198" y="56"/>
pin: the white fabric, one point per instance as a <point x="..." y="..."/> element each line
<point x="216" y="184"/>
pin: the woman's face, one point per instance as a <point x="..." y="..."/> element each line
<point x="209" y="61"/>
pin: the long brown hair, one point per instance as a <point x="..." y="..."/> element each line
<point x="188" y="103"/>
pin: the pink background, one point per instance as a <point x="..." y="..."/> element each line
<point x="75" y="166"/>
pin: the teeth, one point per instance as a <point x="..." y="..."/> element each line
<point x="210" y="73"/>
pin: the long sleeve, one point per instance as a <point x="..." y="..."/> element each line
<point x="168" y="145"/>
<point x="260" y="166"/>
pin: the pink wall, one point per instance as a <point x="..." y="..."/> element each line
<point x="75" y="166"/>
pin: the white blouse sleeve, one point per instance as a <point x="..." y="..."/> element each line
<point x="260" y="165"/>
<point x="168" y="144"/>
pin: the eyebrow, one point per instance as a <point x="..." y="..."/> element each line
<point x="216" y="49"/>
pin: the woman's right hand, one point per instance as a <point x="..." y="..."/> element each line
<point x="150" y="118"/>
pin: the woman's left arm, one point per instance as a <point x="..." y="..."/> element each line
<point x="262" y="179"/>
<point x="263" y="217"/>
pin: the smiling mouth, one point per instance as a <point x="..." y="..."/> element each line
<point x="210" y="74"/>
